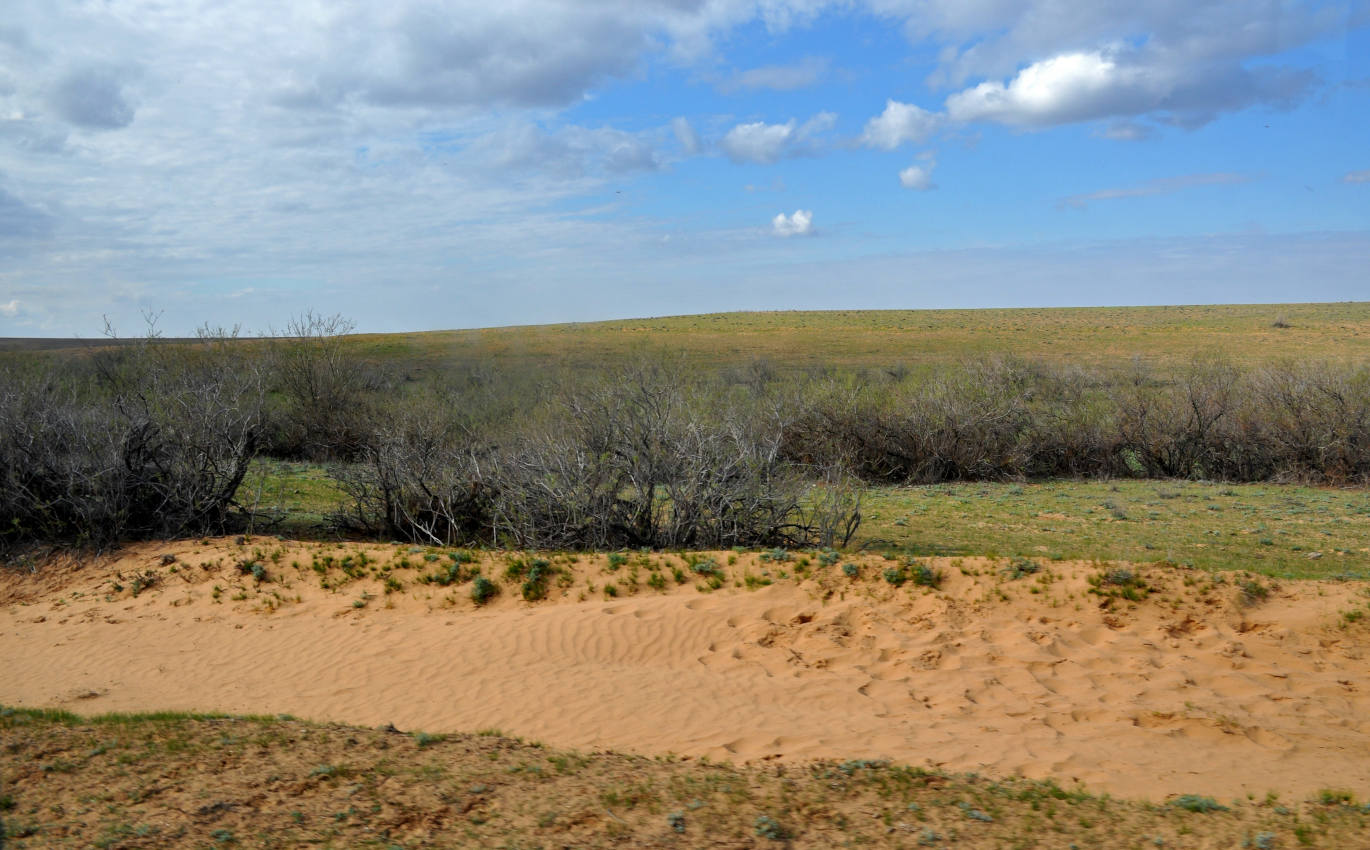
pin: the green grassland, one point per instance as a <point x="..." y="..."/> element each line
<point x="889" y="338"/>
<point x="177" y="780"/>
<point x="845" y="339"/>
<point x="1280" y="531"/>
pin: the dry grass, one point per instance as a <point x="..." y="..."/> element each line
<point x="188" y="781"/>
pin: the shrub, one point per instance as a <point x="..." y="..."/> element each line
<point x="925" y="576"/>
<point x="769" y="827"/>
<point x="1196" y="803"/>
<point x="152" y="440"/>
<point x="1253" y="591"/>
<point x="1021" y="567"/>
<point x="483" y="590"/>
<point x="535" y="585"/>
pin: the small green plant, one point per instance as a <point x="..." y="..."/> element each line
<point x="769" y="827"/>
<point x="1119" y="582"/>
<point x="777" y="555"/>
<point x="851" y="570"/>
<point x="703" y="565"/>
<point x="535" y="585"/>
<point x="828" y="557"/>
<point x="1196" y="803"/>
<point x="925" y="576"/>
<point x="144" y="581"/>
<point x="483" y="590"/>
<point x="896" y="576"/>
<point x="676" y="821"/>
<point x="616" y="560"/>
<point x="1253" y="592"/>
<point x="1021" y="568"/>
<point x="656" y="581"/>
<point x="1335" y="797"/>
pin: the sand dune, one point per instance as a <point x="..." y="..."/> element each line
<point x="1198" y="688"/>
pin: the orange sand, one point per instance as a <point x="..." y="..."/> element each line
<point x="1189" y="691"/>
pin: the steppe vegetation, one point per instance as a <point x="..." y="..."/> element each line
<point x="617" y="444"/>
<point x="877" y="450"/>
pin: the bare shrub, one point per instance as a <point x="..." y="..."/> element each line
<point x="154" y="442"/>
<point x="327" y="394"/>
<point x="634" y="461"/>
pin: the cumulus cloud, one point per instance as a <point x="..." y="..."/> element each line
<point x="1040" y="67"/>
<point x="1159" y="186"/>
<point x="917" y="177"/>
<point x="1064" y="88"/>
<point x="779" y="77"/>
<point x="899" y="123"/>
<point x="758" y="141"/>
<point x="764" y="143"/>
<point x="1357" y="177"/>
<point x="10" y="309"/>
<point x="798" y="223"/>
<point x="93" y="98"/>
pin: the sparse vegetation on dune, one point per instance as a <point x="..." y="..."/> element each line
<point x="134" y="781"/>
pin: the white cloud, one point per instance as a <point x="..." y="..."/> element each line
<point x="758" y="141"/>
<point x="917" y="177"/>
<point x="1357" y="177"/>
<point x="1064" y="88"/>
<point x="10" y="309"/>
<point x="799" y="223"/>
<point x="764" y="143"/>
<point x="779" y="77"/>
<point x="899" y="123"/>
<point x="1043" y="65"/>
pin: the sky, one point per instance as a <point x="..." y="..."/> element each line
<point x="417" y="164"/>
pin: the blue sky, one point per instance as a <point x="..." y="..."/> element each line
<point x="423" y="164"/>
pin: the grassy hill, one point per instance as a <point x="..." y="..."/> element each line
<point x="1251" y="333"/>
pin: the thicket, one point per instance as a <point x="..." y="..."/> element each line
<point x="144" y="440"/>
<point x="647" y="458"/>
<point x="1004" y="418"/>
<point x="153" y="438"/>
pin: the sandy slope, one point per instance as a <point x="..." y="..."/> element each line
<point x="1192" y="690"/>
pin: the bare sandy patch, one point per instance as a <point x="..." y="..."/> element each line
<point x="1189" y="687"/>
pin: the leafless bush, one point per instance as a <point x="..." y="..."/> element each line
<point x="1008" y="419"/>
<point x="327" y="394"/>
<point x="156" y="442"/>
<point x="636" y="461"/>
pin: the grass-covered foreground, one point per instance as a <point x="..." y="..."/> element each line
<point x="172" y="781"/>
